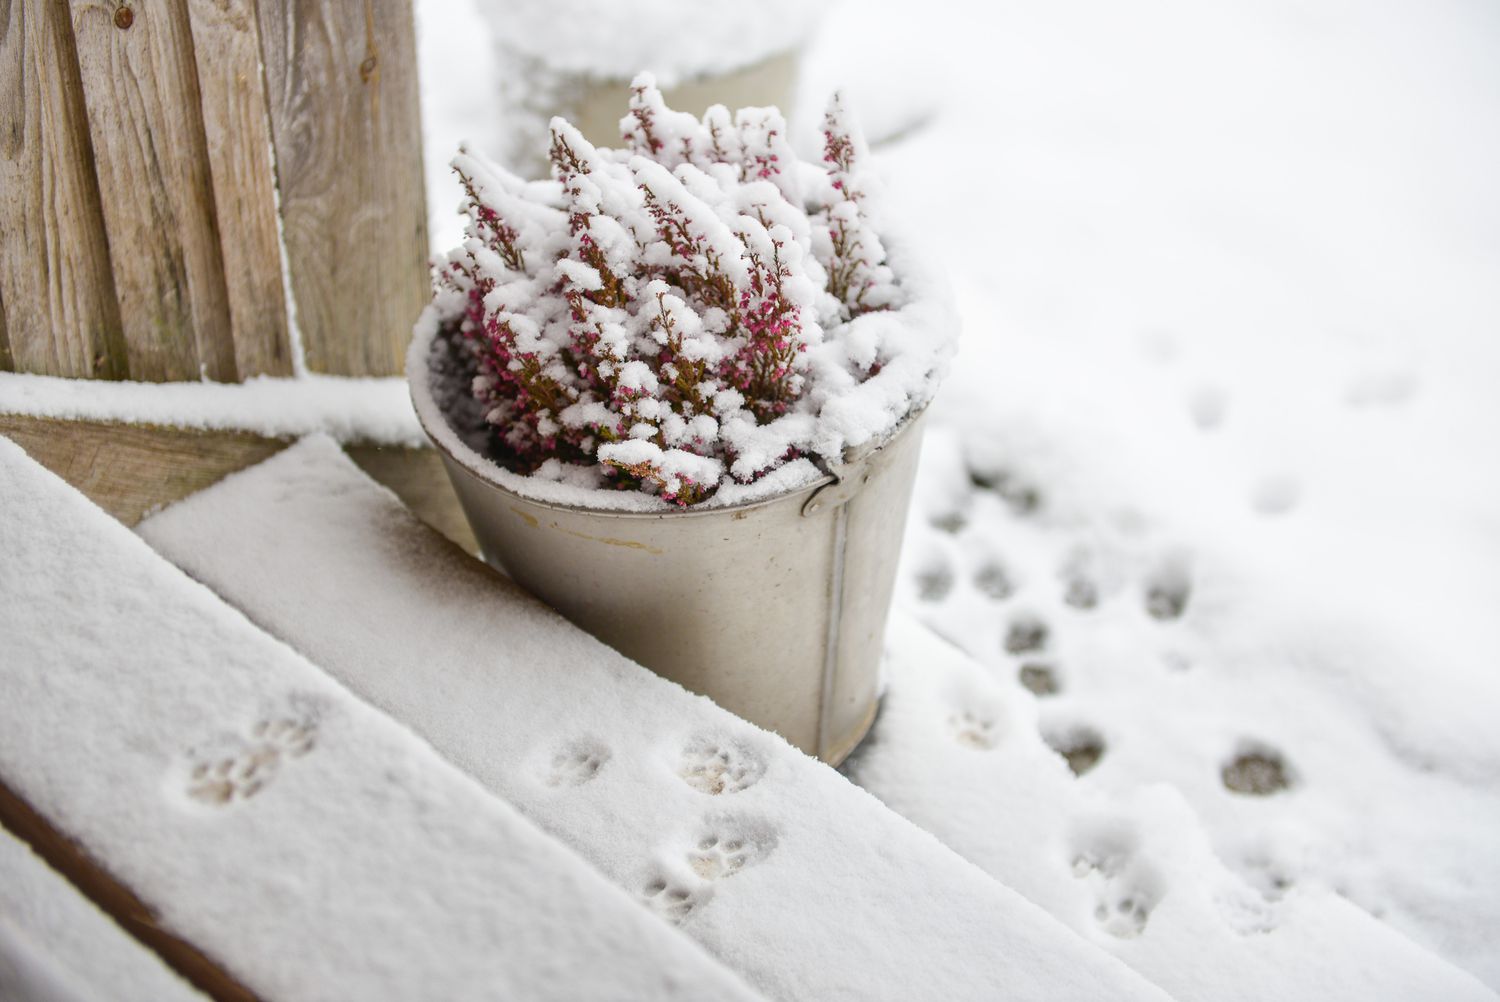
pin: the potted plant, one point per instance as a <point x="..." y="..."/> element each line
<point x="678" y="390"/>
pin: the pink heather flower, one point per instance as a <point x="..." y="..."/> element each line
<point x="651" y="300"/>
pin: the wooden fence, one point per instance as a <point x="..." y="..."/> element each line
<point x="143" y="147"/>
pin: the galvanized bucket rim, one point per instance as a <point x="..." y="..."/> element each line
<point x="422" y="346"/>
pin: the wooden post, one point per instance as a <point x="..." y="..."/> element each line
<point x="342" y="84"/>
<point x="57" y="296"/>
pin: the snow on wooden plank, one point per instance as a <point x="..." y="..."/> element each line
<point x="803" y="883"/>
<point x="130" y="470"/>
<point x="364" y="410"/>
<point x="963" y="757"/>
<point x="54" y="943"/>
<point x="309" y="844"/>
<point x="116" y="900"/>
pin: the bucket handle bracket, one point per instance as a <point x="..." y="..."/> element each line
<point x="849" y="478"/>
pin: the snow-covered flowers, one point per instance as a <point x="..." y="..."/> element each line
<point x="676" y="314"/>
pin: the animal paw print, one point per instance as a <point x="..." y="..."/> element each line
<point x="992" y="581"/>
<point x="1245" y="911"/>
<point x="1168" y="590"/>
<point x="576" y="763"/>
<point x="674" y="900"/>
<point x="934" y="582"/>
<point x="1256" y="769"/>
<point x="1040" y="678"/>
<point x="1026" y="634"/>
<point x="714" y="859"/>
<point x="1270" y="876"/>
<point x="714" y="766"/>
<point x="951" y="522"/>
<point x="1124" y="916"/>
<point x="974" y="730"/>
<point x="728" y="844"/>
<point x="289" y="736"/>
<point x="1126" y="887"/>
<point x="233" y="777"/>
<point x="1023" y="497"/>
<point x="1080" y="746"/>
<point x="1081" y="593"/>
<point x="1086" y="574"/>
<point x="241" y="767"/>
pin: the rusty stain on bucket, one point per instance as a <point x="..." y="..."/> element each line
<point x="629" y="544"/>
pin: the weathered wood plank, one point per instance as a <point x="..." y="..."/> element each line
<point x="57" y="295"/>
<point x="132" y="470"/>
<point x="140" y="88"/>
<point x="226" y="49"/>
<point x="342" y="86"/>
<point x="7" y="363"/>
<point x="116" y="900"/>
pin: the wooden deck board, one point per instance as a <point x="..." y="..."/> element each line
<point x="116" y="900"/>
<point x="132" y="470"/>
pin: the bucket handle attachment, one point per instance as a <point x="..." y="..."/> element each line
<point x="859" y="467"/>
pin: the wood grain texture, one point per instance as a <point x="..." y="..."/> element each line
<point x="116" y="900"/>
<point x="7" y="363"/>
<point x="57" y="295"/>
<point x="132" y="470"/>
<point x="226" y="50"/>
<point x="140" y="87"/>
<point x="341" y="80"/>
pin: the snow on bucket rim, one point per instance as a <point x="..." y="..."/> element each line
<point x="894" y="397"/>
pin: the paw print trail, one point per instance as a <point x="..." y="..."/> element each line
<point x="673" y="900"/>
<point x="575" y="763"/>
<point x="1126" y="887"/>
<point x="714" y="766"/>
<point x="685" y="876"/>
<point x="240" y="767"/>
<point x="728" y="844"/>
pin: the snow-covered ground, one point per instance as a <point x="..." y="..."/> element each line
<point x="312" y="846"/>
<point x="625" y="767"/>
<point x="55" y="945"/>
<point x="1218" y="458"/>
<point x="1219" y="454"/>
<point x="764" y="856"/>
<point x="1207" y="508"/>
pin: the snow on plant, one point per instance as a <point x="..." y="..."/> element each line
<point x="663" y="313"/>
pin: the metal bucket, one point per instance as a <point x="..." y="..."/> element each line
<point x="534" y="92"/>
<point x="775" y="609"/>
